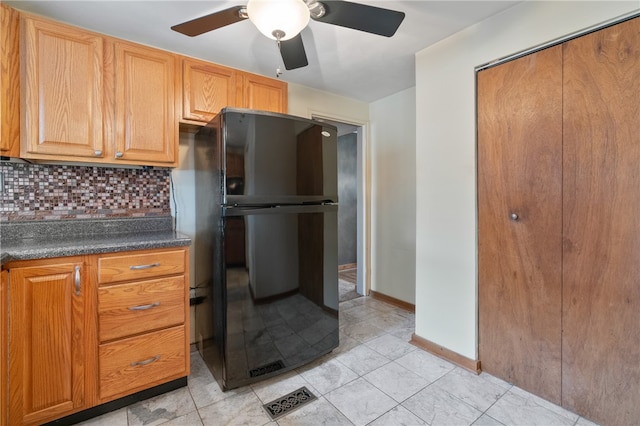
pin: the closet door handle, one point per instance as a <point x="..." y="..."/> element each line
<point x="514" y="216"/>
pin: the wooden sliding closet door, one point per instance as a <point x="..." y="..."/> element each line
<point x="601" y="214"/>
<point x="519" y="221"/>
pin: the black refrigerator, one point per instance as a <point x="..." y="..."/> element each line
<point x="266" y="244"/>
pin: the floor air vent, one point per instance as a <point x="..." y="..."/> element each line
<point x="286" y="404"/>
<point x="266" y="369"/>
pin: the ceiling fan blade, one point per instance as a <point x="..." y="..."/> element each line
<point x="361" y="17"/>
<point x="293" y="53"/>
<point x="210" y="22"/>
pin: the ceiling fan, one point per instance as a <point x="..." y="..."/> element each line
<point x="282" y="20"/>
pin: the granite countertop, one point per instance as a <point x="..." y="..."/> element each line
<point x="41" y="240"/>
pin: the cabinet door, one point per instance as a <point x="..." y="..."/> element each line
<point x="62" y="84"/>
<point x="206" y="89"/>
<point x="519" y="221"/>
<point x="145" y="121"/>
<point x="4" y="293"/>
<point x="9" y="83"/>
<point x="47" y="341"/>
<point x="264" y="93"/>
<point x="601" y="275"/>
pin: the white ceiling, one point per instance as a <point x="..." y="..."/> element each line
<point x="343" y="61"/>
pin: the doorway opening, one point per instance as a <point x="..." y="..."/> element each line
<point x="352" y="257"/>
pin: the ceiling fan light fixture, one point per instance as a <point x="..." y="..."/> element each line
<point x="274" y="18"/>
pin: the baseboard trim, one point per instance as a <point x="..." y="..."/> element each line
<point x="393" y="301"/>
<point x="444" y="353"/>
<point x="347" y="266"/>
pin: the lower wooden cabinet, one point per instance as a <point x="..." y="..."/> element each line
<point x="135" y="363"/>
<point x="4" y="300"/>
<point x="47" y="340"/>
<point x="142" y="320"/>
<point x="76" y="339"/>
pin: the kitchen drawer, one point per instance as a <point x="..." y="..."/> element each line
<point x="133" y="266"/>
<point x="128" y="365"/>
<point x="134" y="308"/>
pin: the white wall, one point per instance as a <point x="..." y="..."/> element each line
<point x="393" y="149"/>
<point x="446" y="278"/>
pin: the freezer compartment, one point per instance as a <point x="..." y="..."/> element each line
<point x="268" y="157"/>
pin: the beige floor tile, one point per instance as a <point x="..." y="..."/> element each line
<point x="426" y="365"/>
<point x="476" y="390"/>
<point x="328" y="376"/>
<point x="316" y="413"/>
<point x="390" y="346"/>
<point x="396" y="381"/>
<point x="516" y="408"/>
<point x="360" y="401"/>
<point x="398" y="416"/>
<point x="362" y="359"/>
<point x="241" y="409"/>
<point x="162" y="408"/>
<point x="440" y="408"/>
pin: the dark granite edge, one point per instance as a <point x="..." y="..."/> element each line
<point x="43" y="229"/>
<point x="74" y="237"/>
<point x="35" y="251"/>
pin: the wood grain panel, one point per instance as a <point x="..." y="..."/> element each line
<point x="135" y="266"/>
<point x="206" y="89"/>
<point x="264" y="93"/>
<point x="145" y="120"/>
<point x="4" y="301"/>
<point x="601" y="344"/>
<point x="128" y="309"/>
<point x="135" y="363"/>
<point x="9" y="82"/>
<point x="519" y="262"/>
<point x="47" y="343"/>
<point x="62" y="84"/>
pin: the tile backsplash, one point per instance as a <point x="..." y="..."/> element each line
<point x="52" y="192"/>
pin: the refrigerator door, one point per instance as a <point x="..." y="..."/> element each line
<point x="277" y="158"/>
<point x="280" y="277"/>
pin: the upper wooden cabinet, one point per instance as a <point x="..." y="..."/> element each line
<point x="62" y="88"/>
<point x="145" y="86"/>
<point x="206" y="89"/>
<point x="264" y="93"/>
<point x="91" y="98"/>
<point x="68" y="94"/>
<point x="9" y="82"/>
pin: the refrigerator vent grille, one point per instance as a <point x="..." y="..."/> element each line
<point x="266" y="369"/>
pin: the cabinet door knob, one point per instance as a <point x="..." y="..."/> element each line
<point x="98" y="153"/>
<point x="119" y="154"/>
<point x="514" y="216"/>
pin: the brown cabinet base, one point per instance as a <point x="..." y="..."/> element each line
<point x="116" y="404"/>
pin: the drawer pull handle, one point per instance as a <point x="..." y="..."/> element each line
<point x="144" y="307"/>
<point x="77" y="280"/>
<point x="146" y="361"/>
<point x="138" y="267"/>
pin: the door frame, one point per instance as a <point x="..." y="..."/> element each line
<point x="363" y="232"/>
